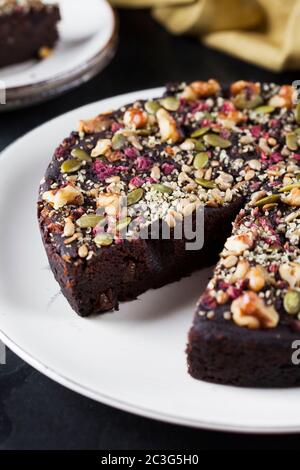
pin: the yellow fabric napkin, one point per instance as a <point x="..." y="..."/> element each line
<point x="264" y="32"/>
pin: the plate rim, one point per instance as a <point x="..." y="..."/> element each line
<point x="101" y="397"/>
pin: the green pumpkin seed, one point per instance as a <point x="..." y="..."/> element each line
<point x="297" y="113"/>
<point x="103" y="239"/>
<point x="134" y="196"/>
<point x="161" y="188"/>
<point x="89" y="220"/>
<point x="142" y="132"/>
<point x="198" y="145"/>
<point x="170" y="103"/>
<point x="200" y="132"/>
<point x="291" y="302"/>
<point x="273" y="198"/>
<point x="123" y="224"/>
<point x="200" y="160"/>
<point x="69" y="166"/>
<point x="118" y="141"/>
<point x="241" y="101"/>
<point x="291" y="141"/>
<point x="289" y="187"/>
<point x="216" y="141"/>
<point x="265" y="109"/>
<point x="80" y="154"/>
<point x="207" y="184"/>
<point x="152" y="107"/>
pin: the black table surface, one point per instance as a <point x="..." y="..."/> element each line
<point x="37" y="413"/>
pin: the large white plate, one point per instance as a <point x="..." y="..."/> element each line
<point x="133" y="359"/>
<point x="87" y="42"/>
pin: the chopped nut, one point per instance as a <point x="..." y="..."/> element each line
<point x="83" y="251"/>
<point x="290" y="272"/>
<point x="64" y="196"/>
<point x="250" y="311"/>
<point x="257" y="278"/>
<point x="135" y="117"/>
<point x="254" y="164"/>
<point x="241" y="271"/>
<point x="69" y="228"/>
<point x="292" y="199"/>
<point x="224" y="181"/>
<point x="167" y="126"/>
<point x="237" y="244"/>
<point x="230" y="261"/>
<point x="205" y="89"/>
<point x="103" y="147"/>
<point x="155" y="172"/>
<point x="97" y="124"/>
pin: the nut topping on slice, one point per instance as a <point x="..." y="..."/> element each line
<point x="290" y="272"/>
<point x="167" y="126"/>
<point x="237" y="244"/>
<point x="250" y="311"/>
<point x="69" y="195"/>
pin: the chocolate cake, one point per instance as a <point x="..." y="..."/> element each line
<point x="28" y="29"/>
<point x="223" y="153"/>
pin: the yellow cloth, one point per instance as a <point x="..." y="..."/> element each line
<point x="264" y="32"/>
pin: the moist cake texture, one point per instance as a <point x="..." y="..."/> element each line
<point x="28" y="29"/>
<point x="231" y="151"/>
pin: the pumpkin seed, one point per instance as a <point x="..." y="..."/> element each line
<point x="161" y="188"/>
<point x="291" y="141"/>
<point x="118" y="141"/>
<point x="289" y="187"/>
<point x="81" y="154"/>
<point x="89" y="220"/>
<point x="291" y="302"/>
<point x="297" y="113"/>
<point x="200" y="132"/>
<point x="143" y="132"/>
<point x="123" y="224"/>
<point x="265" y="109"/>
<point x="198" y="145"/>
<point x="200" y="160"/>
<point x="69" y="166"/>
<point x="170" y="103"/>
<point x="273" y="198"/>
<point x="207" y="184"/>
<point x="216" y="141"/>
<point x="241" y="101"/>
<point x="134" y="196"/>
<point x="152" y="107"/>
<point x="103" y="239"/>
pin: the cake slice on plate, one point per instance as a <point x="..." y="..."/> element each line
<point x="28" y="29"/>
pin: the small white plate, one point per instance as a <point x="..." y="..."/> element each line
<point x="87" y="42"/>
<point x="133" y="359"/>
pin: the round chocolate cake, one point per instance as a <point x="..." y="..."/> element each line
<point x="228" y="154"/>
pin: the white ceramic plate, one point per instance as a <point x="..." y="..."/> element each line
<point x="133" y="359"/>
<point x="87" y="42"/>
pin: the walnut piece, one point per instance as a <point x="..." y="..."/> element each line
<point x="293" y="198"/>
<point x="135" y="117"/>
<point x="250" y="311"/>
<point x="97" y="124"/>
<point x="69" y="195"/>
<point x="290" y="272"/>
<point x="103" y="147"/>
<point x="167" y="126"/>
<point x="237" y="244"/>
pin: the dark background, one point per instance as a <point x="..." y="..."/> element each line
<point x="37" y="413"/>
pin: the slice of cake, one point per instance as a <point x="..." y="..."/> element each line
<point x="28" y="29"/>
<point x="228" y="153"/>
